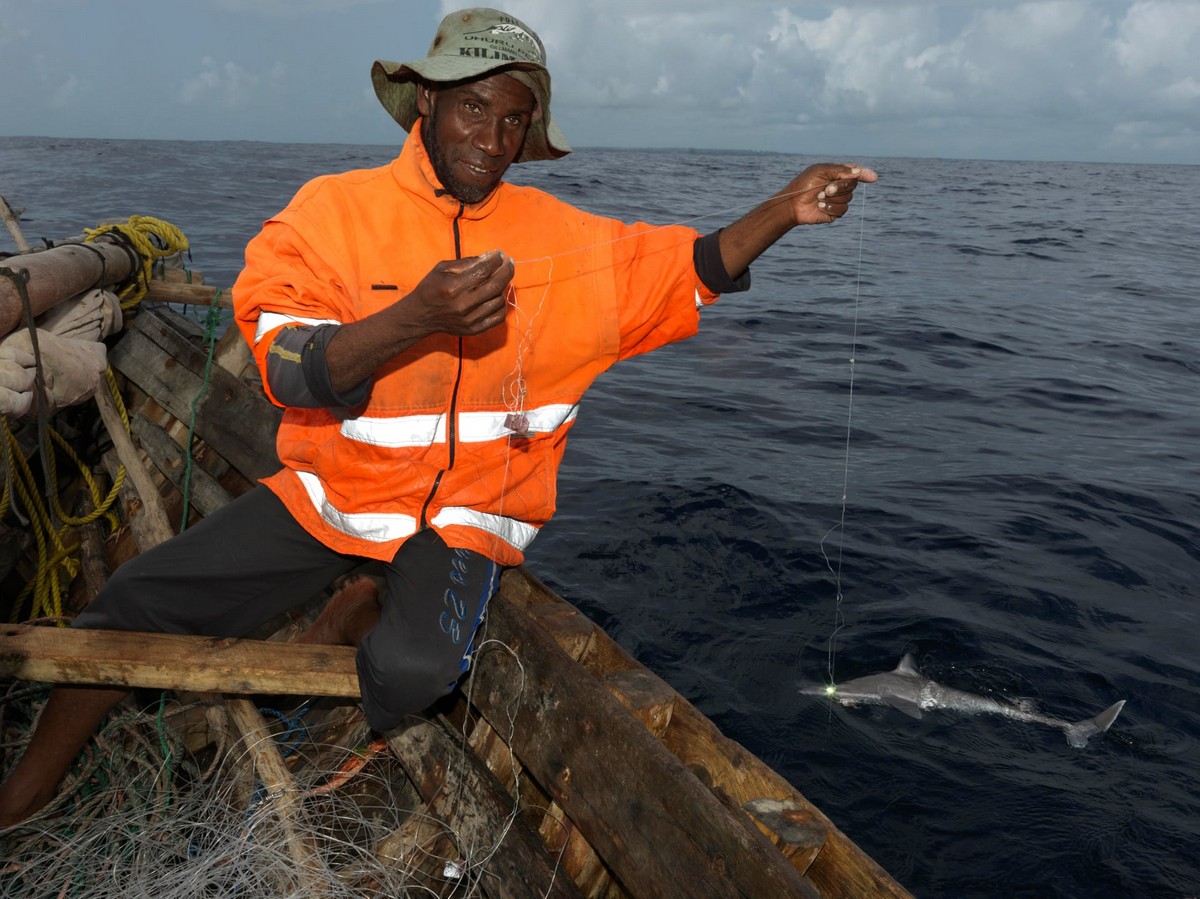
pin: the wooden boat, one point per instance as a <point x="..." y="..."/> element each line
<point x="581" y="771"/>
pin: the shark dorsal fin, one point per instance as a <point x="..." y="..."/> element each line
<point x="908" y="666"/>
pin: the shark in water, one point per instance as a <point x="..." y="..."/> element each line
<point x="907" y="690"/>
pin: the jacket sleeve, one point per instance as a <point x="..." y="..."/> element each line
<point x="659" y="294"/>
<point x="286" y="283"/>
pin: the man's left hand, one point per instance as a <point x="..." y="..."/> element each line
<point x="822" y="192"/>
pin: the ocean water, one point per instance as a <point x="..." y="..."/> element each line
<point x="1017" y="443"/>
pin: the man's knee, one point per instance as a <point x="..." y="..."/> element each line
<point x="123" y="604"/>
<point x="396" y="683"/>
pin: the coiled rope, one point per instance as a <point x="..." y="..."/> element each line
<point x="154" y="240"/>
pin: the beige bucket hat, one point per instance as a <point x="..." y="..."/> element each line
<point x="471" y="43"/>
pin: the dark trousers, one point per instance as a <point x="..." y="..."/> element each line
<point x="251" y="561"/>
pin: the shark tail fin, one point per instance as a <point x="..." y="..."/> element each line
<point x="1079" y="732"/>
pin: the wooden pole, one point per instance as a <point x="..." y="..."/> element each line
<point x="283" y="796"/>
<point x="152" y="507"/>
<point x="60" y="273"/>
<point x="175" y="662"/>
<point x="188" y="294"/>
<point x="10" y="219"/>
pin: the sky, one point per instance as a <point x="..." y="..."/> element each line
<point x="1077" y="80"/>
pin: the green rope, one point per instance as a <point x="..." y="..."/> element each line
<point x="211" y="321"/>
<point x="168" y="756"/>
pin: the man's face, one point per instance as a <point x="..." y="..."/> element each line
<point x="474" y="131"/>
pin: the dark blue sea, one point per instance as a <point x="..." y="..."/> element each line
<point x="1017" y="441"/>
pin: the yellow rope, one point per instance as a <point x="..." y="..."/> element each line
<point x="57" y="565"/>
<point x="141" y="230"/>
<point x="45" y="585"/>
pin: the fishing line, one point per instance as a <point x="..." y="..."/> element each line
<point x="681" y="222"/>
<point x="514" y="384"/>
<point x="513" y="389"/>
<point x="513" y="394"/>
<point x="839" y="620"/>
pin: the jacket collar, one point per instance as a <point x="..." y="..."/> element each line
<point x="413" y="170"/>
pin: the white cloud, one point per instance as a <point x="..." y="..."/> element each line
<point x="1053" y="79"/>
<point x="1159" y="35"/>
<point x="758" y="67"/>
<point x="1158" y="50"/>
<point x="290" y="8"/>
<point x="69" y="92"/>
<point x="229" y="86"/>
<point x="13" y="30"/>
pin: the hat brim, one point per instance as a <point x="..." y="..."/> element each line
<point x="396" y="87"/>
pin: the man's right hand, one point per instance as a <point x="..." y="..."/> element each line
<point x="461" y="297"/>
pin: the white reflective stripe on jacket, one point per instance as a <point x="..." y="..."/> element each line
<point x="473" y="427"/>
<point x="269" y="321"/>
<point x="380" y="528"/>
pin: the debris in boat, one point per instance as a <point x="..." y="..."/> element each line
<point x="142" y="818"/>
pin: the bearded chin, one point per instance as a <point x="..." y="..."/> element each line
<point x="467" y="194"/>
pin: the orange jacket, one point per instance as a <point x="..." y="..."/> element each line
<point x="447" y="437"/>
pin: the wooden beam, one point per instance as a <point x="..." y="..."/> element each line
<point x="647" y="816"/>
<point x="503" y="852"/>
<point x="308" y="875"/>
<point x="205" y="493"/>
<point x="187" y="294"/>
<point x="152" y="508"/>
<point x="232" y="417"/>
<point x="175" y="662"/>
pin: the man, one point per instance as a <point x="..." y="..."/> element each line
<point x="429" y="330"/>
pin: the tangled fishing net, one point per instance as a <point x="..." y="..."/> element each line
<point x="141" y="817"/>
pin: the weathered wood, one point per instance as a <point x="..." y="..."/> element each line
<point x="233" y="418"/>
<point x="174" y="662"/>
<point x="10" y="220"/>
<point x="60" y="273"/>
<point x="282" y="798"/>
<point x="415" y="839"/>
<point x="156" y="519"/>
<point x="572" y="631"/>
<point x="813" y="843"/>
<point x="234" y="355"/>
<point x="598" y="653"/>
<point x="650" y="699"/>
<point x="492" y="749"/>
<point x="93" y="559"/>
<point x="500" y="848"/>
<point x="575" y="854"/>
<point x="657" y="827"/>
<point x="163" y="291"/>
<point x="178" y="275"/>
<point x="143" y="532"/>
<point x="205" y="493"/>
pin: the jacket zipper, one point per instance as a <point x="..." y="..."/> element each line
<point x="452" y="422"/>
